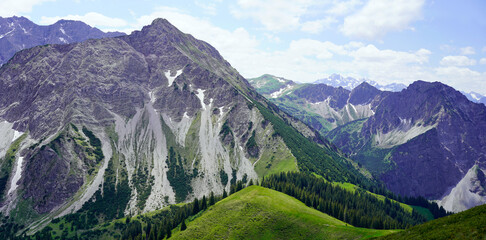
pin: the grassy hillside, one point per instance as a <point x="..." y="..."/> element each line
<point x="260" y="213"/>
<point x="470" y="224"/>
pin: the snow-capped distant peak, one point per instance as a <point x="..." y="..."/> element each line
<point x="473" y="95"/>
<point x="63" y="40"/>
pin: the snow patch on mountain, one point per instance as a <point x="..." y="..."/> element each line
<point x="172" y="78"/>
<point x="281" y="91"/>
<point x="63" y="40"/>
<point x="200" y="95"/>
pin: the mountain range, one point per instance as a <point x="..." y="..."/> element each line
<point x="17" y="33"/>
<point x="426" y="140"/>
<point x="145" y="120"/>
<point x="98" y="128"/>
<point x="349" y="83"/>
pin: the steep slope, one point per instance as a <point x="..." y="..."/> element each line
<point x="465" y="225"/>
<point x="260" y="213"/>
<point x="154" y="118"/>
<point x="17" y="33"/>
<point x="422" y="142"/>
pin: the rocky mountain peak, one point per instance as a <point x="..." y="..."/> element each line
<point x="363" y="94"/>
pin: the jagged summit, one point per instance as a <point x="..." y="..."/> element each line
<point x="363" y="94"/>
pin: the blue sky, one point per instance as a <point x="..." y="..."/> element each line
<point x="304" y="40"/>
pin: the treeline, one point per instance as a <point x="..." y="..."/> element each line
<point x="156" y="226"/>
<point x="436" y="210"/>
<point x="360" y="209"/>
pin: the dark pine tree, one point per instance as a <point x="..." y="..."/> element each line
<point x="183" y="225"/>
<point x="204" y="203"/>
<point x="195" y="207"/>
<point x="212" y="201"/>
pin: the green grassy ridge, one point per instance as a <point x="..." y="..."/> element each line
<point x="470" y="224"/>
<point x="358" y="207"/>
<point x="260" y="213"/>
<point x="271" y="84"/>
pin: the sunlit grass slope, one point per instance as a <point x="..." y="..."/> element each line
<point x="260" y="213"/>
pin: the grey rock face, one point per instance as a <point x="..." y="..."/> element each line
<point x="432" y="134"/>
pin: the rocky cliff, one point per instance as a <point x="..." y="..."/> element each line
<point x="421" y="141"/>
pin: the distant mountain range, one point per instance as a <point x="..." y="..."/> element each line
<point x="337" y="80"/>
<point x="17" y="33"/>
<point x="426" y="140"/>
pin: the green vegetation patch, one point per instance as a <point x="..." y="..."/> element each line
<point x="178" y="178"/>
<point x="95" y="143"/>
<point x="469" y="224"/>
<point x="260" y="213"/>
<point x="356" y="207"/>
<point x="276" y="159"/>
<point x="310" y="156"/>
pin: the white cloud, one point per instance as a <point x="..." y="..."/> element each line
<point x="93" y="19"/>
<point x="372" y="54"/>
<point x="314" y="48"/>
<point x="306" y="60"/>
<point x="10" y="8"/>
<point x="468" y="51"/>
<point x="274" y="15"/>
<point x="378" y="17"/>
<point x="272" y="38"/>
<point x="341" y="8"/>
<point x="482" y="61"/>
<point x="457" y="61"/>
<point x="208" y="6"/>
<point x="447" y="48"/>
<point x="462" y="78"/>
<point x="317" y="26"/>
